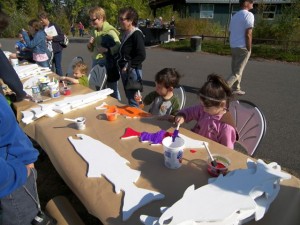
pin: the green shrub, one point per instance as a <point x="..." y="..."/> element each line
<point x="191" y="26"/>
<point x="18" y="21"/>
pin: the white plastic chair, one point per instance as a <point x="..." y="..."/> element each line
<point x="180" y="94"/>
<point x="71" y="64"/>
<point x="97" y="77"/>
<point x="250" y="124"/>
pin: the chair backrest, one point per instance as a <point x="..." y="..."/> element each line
<point x="97" y="77"/>
<point x="180" y="94"/>
<point x="70" y="66"/>
<point x="250" y="124"/>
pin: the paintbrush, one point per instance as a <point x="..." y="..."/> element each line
<point x="213" y="161"/>
<point x="175" y="134"/>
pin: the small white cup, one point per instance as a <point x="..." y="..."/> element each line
<point x="14" y="62"/>
<point x="173" y="152"/>
<point x="80" y="123"/>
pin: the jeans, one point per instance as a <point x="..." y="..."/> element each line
<point x="43" y="64"/>
<point x="57" y="62"/>
<point x="114" y="86"/>
<point x="130" y="93"/>
<point x="18" y="208"/>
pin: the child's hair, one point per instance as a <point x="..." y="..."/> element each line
<point x="214" y="91"/>
<point x="168" y="77"/>
<point x="81" y="66"/>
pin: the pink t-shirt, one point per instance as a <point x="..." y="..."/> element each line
<point x="210" y="126"/>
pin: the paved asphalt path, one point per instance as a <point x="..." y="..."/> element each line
<point x="271" y="85"/>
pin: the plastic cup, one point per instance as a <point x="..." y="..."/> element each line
<point x="14" y="62"/>
<point x="173" y="152"/>
<point x="221" y="168"/>
<point x="53" y="89"/>
<point x="80" y="123"/>
<point x="111" y="114"/>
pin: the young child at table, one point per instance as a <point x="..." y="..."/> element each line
<point x="212" y="116"/>
<point x="163" y="100"/>
<point x="22" y="51"/>
<point x="80" y="70"/>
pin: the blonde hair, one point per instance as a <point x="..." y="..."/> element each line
<point x="98" y="12"/>
<point x="83" y="68"/>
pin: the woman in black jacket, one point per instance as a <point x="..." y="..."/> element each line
<point x="132" y="51"/>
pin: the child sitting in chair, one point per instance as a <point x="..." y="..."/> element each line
<point x="212" y="116"/>
<point x="163" y="100"/>
<point x="80" y="70"/>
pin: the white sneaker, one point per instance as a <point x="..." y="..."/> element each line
<point x="238" y="92"/>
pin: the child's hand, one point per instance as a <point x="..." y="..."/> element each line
<point x="179" y="120"/>
<point x="62" y="78"/>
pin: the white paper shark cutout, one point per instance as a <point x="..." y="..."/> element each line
<point x="103" y="160"/>
<point x="231" y="200"/>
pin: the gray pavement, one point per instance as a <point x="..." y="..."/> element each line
<point x="271" y="85"/>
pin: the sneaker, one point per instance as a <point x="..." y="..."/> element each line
<point x="238" y="92"/>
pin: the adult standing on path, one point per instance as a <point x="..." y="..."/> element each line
<point x="81" y="29"/>
<point x="132" y="50"/>
<point x="240" y="28"/>
<point x="53" y="42"/>
<point x="104" y="43"/>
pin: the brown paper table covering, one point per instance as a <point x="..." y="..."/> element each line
<point x="97" y="193"/>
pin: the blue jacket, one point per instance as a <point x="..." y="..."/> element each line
<point x="38" y="43"/>
<point x="16" y="151"/>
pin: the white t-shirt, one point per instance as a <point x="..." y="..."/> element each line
<point x="240" y="21"/>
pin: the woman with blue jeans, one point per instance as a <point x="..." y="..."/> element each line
<point x="38" y="43"/>
<point x="132" y="51"/>
<point x="53" y="43"/>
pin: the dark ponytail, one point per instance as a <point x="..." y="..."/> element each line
<point x="214" y="91"/>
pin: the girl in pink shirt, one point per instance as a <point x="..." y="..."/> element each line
<point x="212" y="116"/>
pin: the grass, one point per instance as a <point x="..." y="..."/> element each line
<point x="273" y="52"/>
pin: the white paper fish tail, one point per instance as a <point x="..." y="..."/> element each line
<point x="105" y="161"/>
<point x="240" y="196"/>
<point x="135" y="197"/>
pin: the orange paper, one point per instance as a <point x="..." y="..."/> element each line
<point x="130" y="111"/>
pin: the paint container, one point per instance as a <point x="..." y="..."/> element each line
<point x="66" y="90"/>
<point x="54" y="90"/>
<point x="80" y="123"/>
<point x="36" y="93"/>
<point x="173" y="152"/>
<point x="14" y="62"/>
<point x="221" y="168"/>
<point x="111" y="113"/>
<point x="43" y="84"/>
